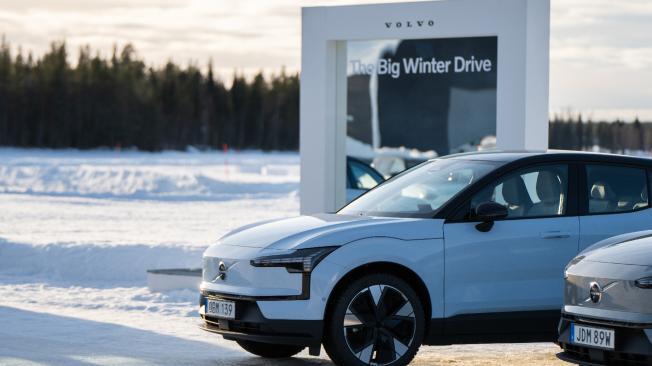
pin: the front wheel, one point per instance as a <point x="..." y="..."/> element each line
<point x="377" y="320"/>
<point x="268" y="350"/>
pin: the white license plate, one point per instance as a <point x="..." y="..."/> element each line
<point x="220" y="308"/>
<point x="592" y="337"/>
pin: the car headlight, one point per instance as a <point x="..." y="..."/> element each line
<point x="644" y="282"/>
<point x="298" y="261"/>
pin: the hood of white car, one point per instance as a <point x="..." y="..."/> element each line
<point x="630" y="252"/>
<point x="329" y="230"/>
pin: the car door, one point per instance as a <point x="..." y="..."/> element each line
<point x="615" y="200"/>
<point x="516" y="268"/>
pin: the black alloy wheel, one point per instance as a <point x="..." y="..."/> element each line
<point x="379" y="320"/>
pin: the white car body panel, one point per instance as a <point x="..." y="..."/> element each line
<point x="326" y="230"/>
<point x="423" y="255"/>
<point x="516" y="266"/>
<point x="598" y="227"/>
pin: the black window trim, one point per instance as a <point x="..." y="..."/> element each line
<point x="460" y="214"/>
<point x="584" y="189"/>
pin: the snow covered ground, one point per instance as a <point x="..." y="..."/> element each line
<point x="78" y="230"/>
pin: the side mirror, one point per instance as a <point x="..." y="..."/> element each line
<point x="488" y="212"/>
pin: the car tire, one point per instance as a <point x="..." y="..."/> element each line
<point x="377" y="319"/>
<point x="268" y="350"/>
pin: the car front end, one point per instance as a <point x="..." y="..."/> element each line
<point x="270" y="282"/>
<point x="243" y="299"/>
<point x="607" y="314"/>
<point x="259" y="284"/>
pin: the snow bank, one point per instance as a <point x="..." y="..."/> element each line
<point x="139" y="175"/>
<point x="79" y="216"/>
<point x="93" y="263"/>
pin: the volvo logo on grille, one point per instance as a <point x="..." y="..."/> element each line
<point x="221" y="272"/>
<point x="221" y="268"/>
<point x="595" y="292"/>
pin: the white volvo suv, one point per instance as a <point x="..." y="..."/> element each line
<point x="462" y="249"/>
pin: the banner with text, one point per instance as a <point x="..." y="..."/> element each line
<point x="424" y="94"/>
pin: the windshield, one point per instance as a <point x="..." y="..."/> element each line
<point x="421" y="191"/>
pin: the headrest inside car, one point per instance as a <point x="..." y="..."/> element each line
<point x="599" y="191"/>
<point x="515" y="191"/>
<point x="548" y="186"/>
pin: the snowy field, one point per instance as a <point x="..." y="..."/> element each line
<point x="78" y="230"/>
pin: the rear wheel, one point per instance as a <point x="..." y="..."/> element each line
<point x="268" y="350"/>
<point x="378" y="319"/>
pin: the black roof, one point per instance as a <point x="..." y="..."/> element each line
<point x="551" y="155"/>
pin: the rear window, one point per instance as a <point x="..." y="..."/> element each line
<point x="613" y="189"/>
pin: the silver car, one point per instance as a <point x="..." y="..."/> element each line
<point x="607" y="314"/>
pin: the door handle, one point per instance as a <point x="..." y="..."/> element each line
<point x="554" y="235"/>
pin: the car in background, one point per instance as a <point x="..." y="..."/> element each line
<point x="391" y="165"/>
<point x="360" y="177"/>
<point x="465" y="248"/>
<point x="607" y="314"/>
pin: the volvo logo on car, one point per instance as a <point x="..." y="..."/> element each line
<point x="221" y="272"/>
<point x="595" y="292"/>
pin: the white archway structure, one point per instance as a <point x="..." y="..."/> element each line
<point x="521" y="27"/>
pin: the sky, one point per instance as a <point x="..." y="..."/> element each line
<point x="600" y="50"/>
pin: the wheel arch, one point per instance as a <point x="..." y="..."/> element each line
<point x="399" y="270"/>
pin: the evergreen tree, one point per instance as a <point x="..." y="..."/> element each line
<point x="119" y="102"/>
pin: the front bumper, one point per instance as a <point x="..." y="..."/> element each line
<point x="633" y="345"/>
<point x="250" y="324"/>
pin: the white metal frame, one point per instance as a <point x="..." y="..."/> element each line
<point x="522" y="28"/>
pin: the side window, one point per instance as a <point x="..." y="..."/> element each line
<point x="363" y="177"/>
<point x="534" y="192"/>
<point x="614" y="189"/>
